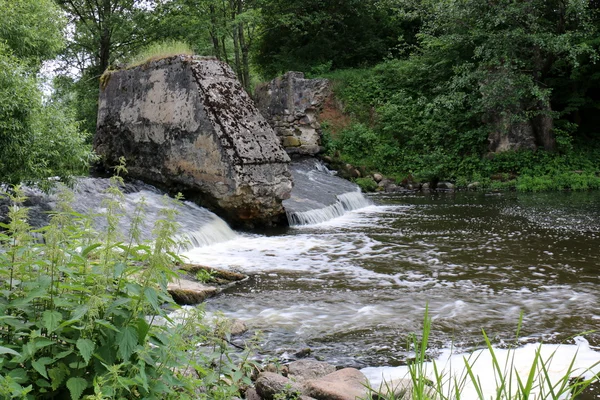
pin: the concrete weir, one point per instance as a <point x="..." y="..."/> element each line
<point x="185" y="124"/>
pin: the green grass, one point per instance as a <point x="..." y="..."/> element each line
<point x="535" y="384"/>
<point x="160" y="50"/>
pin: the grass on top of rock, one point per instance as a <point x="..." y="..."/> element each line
<point x="160" y="50"/>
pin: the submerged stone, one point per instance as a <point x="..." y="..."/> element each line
<point x="186" y="124"/>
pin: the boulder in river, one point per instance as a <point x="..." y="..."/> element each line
<point x="185" y="124"/>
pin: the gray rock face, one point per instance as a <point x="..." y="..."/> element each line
<point x="186" y="124"/>
<point x="303" y="370"/>
<point x="291" y="105"/>
<point x="345" y="384"/>
<point x="269" y="384"/>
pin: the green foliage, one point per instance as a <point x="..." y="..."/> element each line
<point x="82" y="313"/>
<point x="205" y="276"/>
<point x="37" y="140"/>
<point x="32" y="29"/>
<point x="313" y="36"/>
<point x="366" y="184"/>
<point x="429" y="381"/>
<point x="159" y="50"/>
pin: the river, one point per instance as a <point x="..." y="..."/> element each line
<point x="354" y="288"/>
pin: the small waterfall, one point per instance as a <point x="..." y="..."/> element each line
<point x="319" y="195"/>
<point x="197" y="226"/>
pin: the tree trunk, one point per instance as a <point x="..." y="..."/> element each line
<point x="543" y="125"/>
<point x="236" y="43"/>
<point x="213" y="32"/>
<point x="245" y="59"/>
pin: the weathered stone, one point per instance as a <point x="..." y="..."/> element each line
<point x="238" y="327"/>
<point x="269" y="384"/>
<point x="397" y="388"/>
<point x="298" y="101"/>
<point x="345" y="384"/>
<point x="445" y="186"/>
<point x="219" y="276"/>
<point x="400" y="389"/>
<point x="303" y="370"/>
<point x="473" y="185"/>
<point x="251" y="394"/>
<point x="377" y="177"/>
<point x="186" y="124"/>
<point x="425" y="187"/>
<point x="185" y="291"/>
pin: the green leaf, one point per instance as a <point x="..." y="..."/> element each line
<point x="43" y="383"/>
<point x="76" y="387"/>
<point x="51" y="320"/>
<point x="127" y="339"/>
<point x="6" y="350"/>
<point x="90" y="248"/>
<point x="40" y="368"/>
<point x="86" y="348"/>
<point x="41" y="342"/>
<point x="57" y="375"/>
<point x="19" y="375"/>
<point x="142" y="328"/>
<point x="152" y="297"/>
<point x="106" y="324"/>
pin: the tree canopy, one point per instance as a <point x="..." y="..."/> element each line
<point x="38" y="139"/>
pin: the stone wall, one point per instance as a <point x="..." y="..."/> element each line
<point x="186" y="124"/>
<point x="291" y="104"/>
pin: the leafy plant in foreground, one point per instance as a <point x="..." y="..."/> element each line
<point x="82" y="316"/>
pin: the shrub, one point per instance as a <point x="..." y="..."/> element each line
<point x="366" y="184"/>
<point x="82" y="313"/>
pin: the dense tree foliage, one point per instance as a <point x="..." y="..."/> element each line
<point x="433" y="87"/>
<point x="482" y="71"/>
<point x="312" y="35"/>
<point x="38" y="139"/>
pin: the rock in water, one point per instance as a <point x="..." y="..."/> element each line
<point x="186" y="124"/>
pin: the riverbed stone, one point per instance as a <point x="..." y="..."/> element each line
<point x="186" y="124"/>
<point x="269" y="384"/>
<point x="188" y="292"/>
<point x="377" y="177"/>
<point x="345" y="384"/>
<point x="445" y="186"/>
<point x="303" y="370"/>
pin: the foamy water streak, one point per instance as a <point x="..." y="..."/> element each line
<point x="557" y="360"/>
<point x="346" y="202"/>
<point x="319" y="195"/>
<point x="198" y="226"/>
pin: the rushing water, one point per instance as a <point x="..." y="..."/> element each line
<point x="354" y="288"/>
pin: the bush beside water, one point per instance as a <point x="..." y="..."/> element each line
<point x="86" y="314"/>
<point x="400" y="129"/>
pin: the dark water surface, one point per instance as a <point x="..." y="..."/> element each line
<point x="354" y="288"/>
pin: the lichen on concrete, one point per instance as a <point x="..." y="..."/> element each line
<point x="185" y="124"/>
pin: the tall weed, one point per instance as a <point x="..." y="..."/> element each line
<point x="82" y="313"/>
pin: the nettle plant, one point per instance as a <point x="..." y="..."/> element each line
<point x="82" y="312"/>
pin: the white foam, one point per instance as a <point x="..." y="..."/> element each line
<point x="452" y="366"/>
<point x="346" y="202"/>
